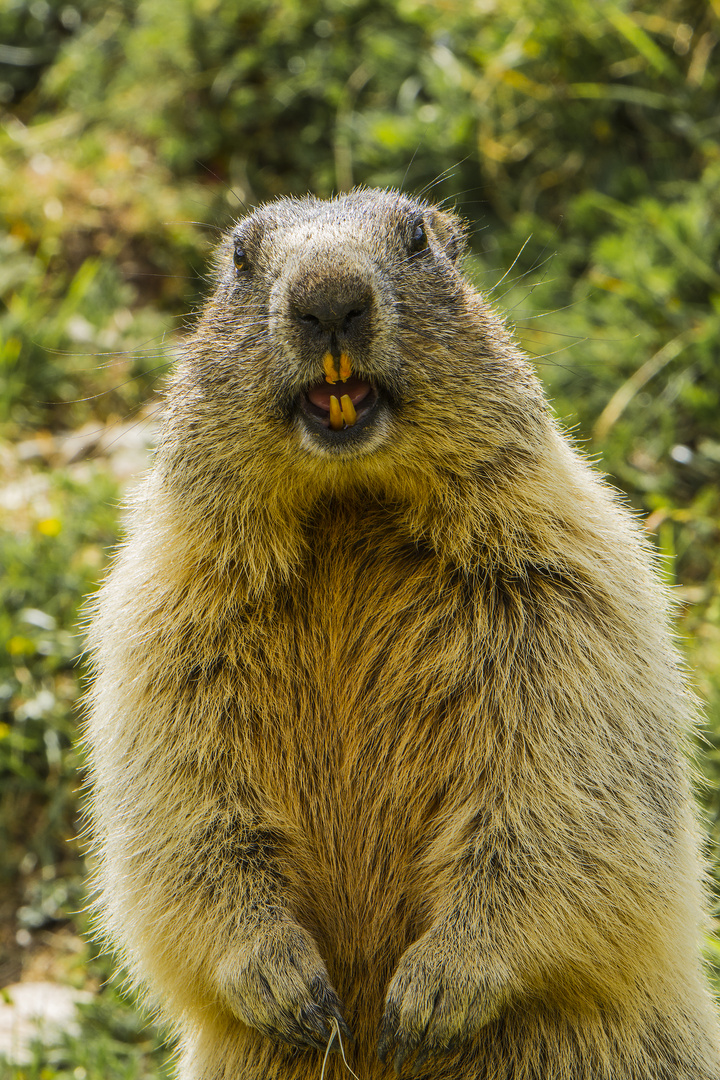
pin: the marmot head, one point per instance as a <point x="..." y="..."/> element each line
<point x="340" y="323"/>
<point x="342" y="350"/>
<point x="343" y="283"/>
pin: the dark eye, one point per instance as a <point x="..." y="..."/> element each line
<point x="419" y="240"/>
<point x="240" y="258"/>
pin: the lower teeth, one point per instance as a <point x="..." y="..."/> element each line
<point x="342" y="412"/>
<point x="348" y="410"/>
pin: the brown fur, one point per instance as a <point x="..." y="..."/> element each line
<point x="398" y="719"/>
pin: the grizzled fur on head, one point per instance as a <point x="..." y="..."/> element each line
<point x="386" y="729"/>
<point x="358" y="245"/>
<point x="457" y="401"/>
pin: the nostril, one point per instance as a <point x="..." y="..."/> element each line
<point x="330" y="313"/>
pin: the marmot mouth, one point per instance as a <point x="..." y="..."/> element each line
<point x="339" y="408"/>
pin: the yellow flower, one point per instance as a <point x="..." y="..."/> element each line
<point x="20" y="646"/>
<point x="50" y="526"/>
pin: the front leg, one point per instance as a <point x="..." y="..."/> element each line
<point x="266" y="968"/>
<point x="541" y="905"/>
<point x="273" y="979"/>
<point x="441" y="995"/>
<point x="206" y="921"/>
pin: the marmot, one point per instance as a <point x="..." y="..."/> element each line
<point x="386" y="730"/>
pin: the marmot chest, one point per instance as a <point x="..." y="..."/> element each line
<point x="362" y="689"/>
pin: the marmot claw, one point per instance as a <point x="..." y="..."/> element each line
<point x="278" y="984"/>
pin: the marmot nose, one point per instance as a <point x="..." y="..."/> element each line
<point x="332" y="313"/>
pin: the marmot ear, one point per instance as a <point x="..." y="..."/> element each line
<point x="451" y="231"/>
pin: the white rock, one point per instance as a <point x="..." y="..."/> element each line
<point x="36" y="1010"/>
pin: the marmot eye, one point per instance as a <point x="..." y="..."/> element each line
<point x="240" y="258"/>
<point x="419" y="239"/>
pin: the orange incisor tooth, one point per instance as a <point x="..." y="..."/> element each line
<point x="345" y="369"/>
<point x="331" y="374"/>
<point x="336" y="418"/>
<point x="348" y="410"/>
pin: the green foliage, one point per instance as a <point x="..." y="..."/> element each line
<point x="52" y="548"/>
<point x="32" y="34"/>
<point x="546" y="98"/>
<point x="581" y="140"/>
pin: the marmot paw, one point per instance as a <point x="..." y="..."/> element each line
<point x="435" y="1002"/>
<point x="278" y="984"/>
